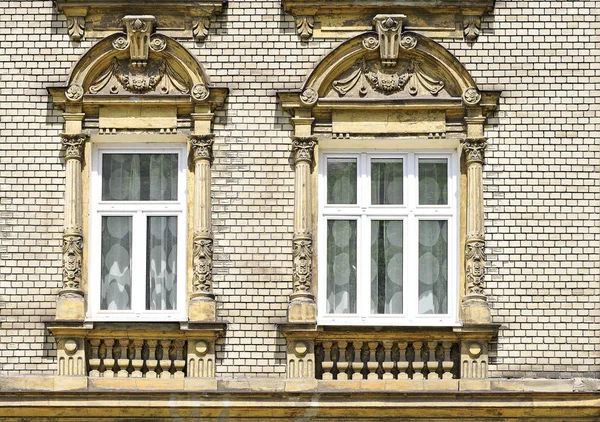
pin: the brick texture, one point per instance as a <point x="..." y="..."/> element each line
<point x="542" y="183"/>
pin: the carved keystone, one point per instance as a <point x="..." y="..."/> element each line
<point x="389" y="28"/>
<point x="139" y="29"/>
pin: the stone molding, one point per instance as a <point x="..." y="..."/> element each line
<point x="346" y="18"/>
<point x="92" y="19"/>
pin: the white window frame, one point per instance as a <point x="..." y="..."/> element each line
<point x="410" y="212"/>
<point x="139" y="210"/>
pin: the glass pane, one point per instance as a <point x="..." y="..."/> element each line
<point x="387" y="176"/>
<point x="115" y="287"/>
<point x="386" y="267"/>
<point x="433" y="181"/>
<point x="433" y="267"/>
<point x="139" y="177"/>
<point x="341" y="180"/>
<point x="161" y="262"/>
<point x="341" y="266"/>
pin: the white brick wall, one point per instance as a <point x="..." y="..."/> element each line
<point x="542" y="181"/>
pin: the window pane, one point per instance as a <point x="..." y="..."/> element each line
<point x="341" y="266"/>
<point x="161" y="262"/>
<point x="115" y="288"/>
<point x="387" y="177"/>
<point x="433" y="267"/>
<point x="341" y="180"/>
<point x="139" y="177"/>
<point x="386" y="267"/>
<point x="433" y="181"/>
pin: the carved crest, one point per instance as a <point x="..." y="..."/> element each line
<point x="202" y="264"/>
<point x="158" y="75"/>
<point x="411" y="79"/>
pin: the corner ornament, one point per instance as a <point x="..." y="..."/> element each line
<point x="200" y="92"/>
<point x="309" y="97"/>
<point x="74" y="93"/>
<point x="304" y="148"/>
<point x="471" y="96"/>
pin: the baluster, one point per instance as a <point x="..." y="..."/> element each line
<point x="163" y="359"/>
<point x="342" y="363"/>
<point x="403" y="362"/>
<point x="388" y="363"/>
<point x="447" y="363"/>
<point x="123" y="360"/>
<point x="432" y="363"/>
<point x="151" y="362"/>
<point x="327" y="364"/>
<point x="95" y="358"/>
<point x="109" y="361"/>
<point x="356" y="365"/>
<point x="176" y="354"/>
<point x="137" y="361"/>
<point x="372" y="363"/>
<point x="418" y="362"/>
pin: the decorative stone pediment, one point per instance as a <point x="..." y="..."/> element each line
<point x="175" y="18"/>
<point x="347" y="18"/>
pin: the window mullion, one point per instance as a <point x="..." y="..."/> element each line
<point x="138" y="262"/>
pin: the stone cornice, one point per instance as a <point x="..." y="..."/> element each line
<point x="100" y="18"/>
<point x="344" y="18"/>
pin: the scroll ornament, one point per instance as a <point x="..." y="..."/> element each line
<point x="157" y="74"/>
<point x="388" y="83"/>
<point x="303" y="148"/>
<point x="202" y="264"/>
<point x="202" y="146"/>
<point x="302" y="275"/>
<point x="475" y="266"/>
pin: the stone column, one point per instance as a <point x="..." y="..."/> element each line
<point x="70" y="303"/>
<point x="475" y="308"/>
<point x="202" y="306"/>
<point x="302" y="307"/>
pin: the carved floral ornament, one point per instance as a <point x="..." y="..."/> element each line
<point x="202" y="264"/>
<point x="475" y="150"/>
<point x="72" y="259"/>
<point x="471" y="96"/>
<point x="202" y="146"/>
<point x="304" y="147"/>
<point x="73" y="144"/>
<point x="411" y="79"/>
<point x="302" y="264"/>
<point x="475" y="266"/>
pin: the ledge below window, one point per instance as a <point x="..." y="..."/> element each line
<point x="136" y="350"/>
<point x="387" y="353"/>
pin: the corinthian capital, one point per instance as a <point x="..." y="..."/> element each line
<point x="73" y="144"/>
<point x="304" y="147"/>
<point x="475" y="149"/>
<point x="202" y="146"/>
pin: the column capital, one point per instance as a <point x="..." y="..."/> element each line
<point x="73" y="143"/>
<point x="475" y="149"/>
<point x="304" y="147"/>
<point x="202" y="146"/>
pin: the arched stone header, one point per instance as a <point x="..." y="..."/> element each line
<point x="111" y="72"/>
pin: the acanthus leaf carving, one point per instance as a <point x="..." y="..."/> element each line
<point x="73" y="143"/>
<point x="475" y="150"/>
<point x="200" y="27"/>
<point x="475" y="266"/>
<point x="202" y="146"/>
<point x="76" y="27"/>
<point x="202" y="264"/>
<point x="388" y="83"/>
<point x="302" y="261"/>
<point x="304" y="27"/>
<point x="472" y="28"/>
<point x="304" y="148"/>
<point x="139" y="81"/>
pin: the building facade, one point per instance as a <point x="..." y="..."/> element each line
<point x="300" y="210"/>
